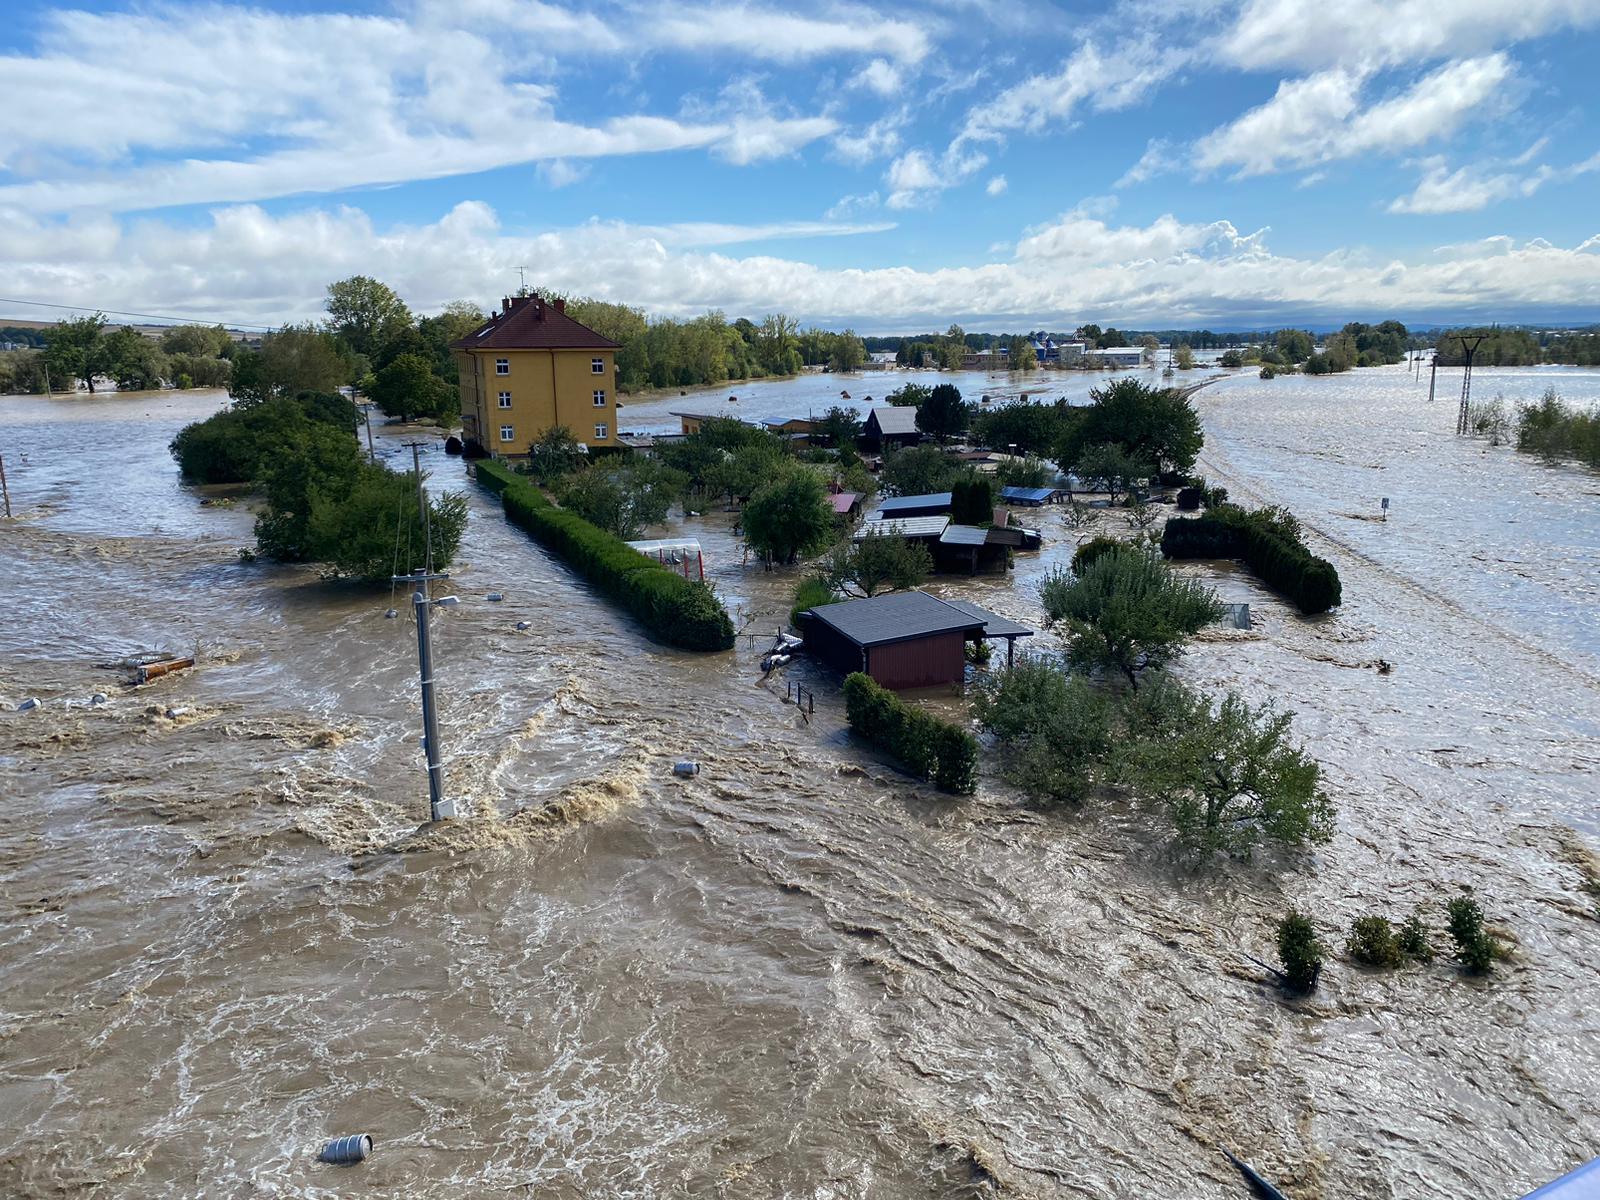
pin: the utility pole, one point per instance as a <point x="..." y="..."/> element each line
<point x="439" y="806"/>
<point x="1476" y="340"/>
<point x="4" y="490"/>
<point x="366" y="411"/>
<point x="1433" y="374"/>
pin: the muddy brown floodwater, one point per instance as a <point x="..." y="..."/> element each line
<point x="798" y="974"/>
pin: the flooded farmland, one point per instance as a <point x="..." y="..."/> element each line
<point x="797" y="974"/>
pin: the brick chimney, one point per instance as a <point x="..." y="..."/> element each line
<point x="561" y="305"/>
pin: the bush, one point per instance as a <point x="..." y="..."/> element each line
<point x="1054" y="730"/>
<point x="1267" y="540"/>
<point x="1189" y="498"/>
<point x="1413" y="940"/>
<point x="1300" y="951"/>
<point x="240" y="444"/>
<point x="925" y="746"/>
<point x="812" y="593"/>
<point x="1476" y="949"/>
<point x="1372" y="942"/>
<point x="1091" y="550"/>
<point x="681" y="612"/>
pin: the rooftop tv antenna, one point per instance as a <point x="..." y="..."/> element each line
<point x="522" y="277"/>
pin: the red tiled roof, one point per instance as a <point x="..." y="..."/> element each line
<point x="533" y="323"/>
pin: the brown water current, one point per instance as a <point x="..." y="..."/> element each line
<point x="225" y="937"/>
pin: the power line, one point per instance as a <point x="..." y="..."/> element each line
<point x="113" y="312"/>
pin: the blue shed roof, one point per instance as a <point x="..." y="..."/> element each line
<point x="1027" y="495"/>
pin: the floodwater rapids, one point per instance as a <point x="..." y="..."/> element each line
<point x="225" y="938"/>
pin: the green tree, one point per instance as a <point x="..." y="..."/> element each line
<point x="354" y="531"/>
<point x="846" y="351"/>
<point x="1228" y="775"/>
<point x="1028" y="472"/>
<point x="623" y="496"/>
<point x="320" y="461"/>
<point x="1127" y="611"/>
<point x="1183" y="356"/>
<point x="909" y="395"/>
<point x="838" y="427"/>
<point x="200" y="341"/>
<point x="879" y="562"/>
<point x="366" y="315"/>
<point x="788" y="516"/>
<point x="408" y="388"/>
<point x="1110" y="469"/>
<point x="74" y="350"/>
<point x="1054" y="730"/>
<point x="1153" y="425"/>
<point x="132" y="361"/>
<point x="917" y="471"/>
<point x="1476" y="949"/>
<point x="295" y="359"/>
<point x="972" y="500"/>
<point x="1020" y="354"/>
<point x="1031" y="427"/>
<point x="944" y="414"/>
<point x="1294" y="345"/>
<point x="554" y="455"/>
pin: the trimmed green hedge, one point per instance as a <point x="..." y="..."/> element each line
<point x="681" y="612"/>
<point x="1278" y="560"/>
<point x="1093" y="549"/>
<point x="926" y="746"/>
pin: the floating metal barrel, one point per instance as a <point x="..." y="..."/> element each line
<point x="346" y="1151"/>
<point x="685" y="769"/>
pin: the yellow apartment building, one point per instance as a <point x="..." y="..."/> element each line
<point x="530" y="366"/>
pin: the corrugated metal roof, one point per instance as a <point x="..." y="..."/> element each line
<point x="1027" y="495"/>
<point x="897" y="617"/>
<point x="910" y="527"/>
<point x="931" y="500"/>
<point x="894" y="418"/>
<point x="964" y="535"/>
<point x="532" y="323"/>
<point x="994" y="625"/>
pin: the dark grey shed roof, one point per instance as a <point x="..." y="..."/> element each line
<point x="994" y="625"/>
<point x="897" y="617"/>
<point x="896" y="418"/>
<point x="931" y="502"/>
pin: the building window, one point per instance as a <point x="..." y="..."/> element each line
<point x="597" y="366"/>
<point x="600" y="398"/>
<point x="601" y="432"/>
<point x="505" y="399"/>
<point x="502" y="366"/>
<point x="507" y="433"/>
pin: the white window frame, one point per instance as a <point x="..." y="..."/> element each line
<point x="505" y="399"/>
<point x="597" y="366"/>
<point x="508" y="433"/>
<point x="502" y="366"/>
<point x="602" y="432"/>
<point x="599" y="397"/>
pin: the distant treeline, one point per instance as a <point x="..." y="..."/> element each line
<point x="1503" y="347"/>
<point x="664" y="353"/>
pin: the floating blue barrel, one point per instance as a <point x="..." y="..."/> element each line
<point x="347" y="1151"/>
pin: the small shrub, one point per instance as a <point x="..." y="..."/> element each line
<point x="979" y="653"/>
<point x="1372" y="942"/>
<point x="812" y="593"/>
<point x="972" y="501"/>
<point x="1189" y="498"/>
<point x="1300" y="951"/>
<point x="1091" y="550"/>
<point x="1413" y="939"/>
<point x="1476" y="949"/>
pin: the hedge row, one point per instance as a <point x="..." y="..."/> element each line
<point x="926" y="746"/>
<point x="1278" y="560"/>
<point x="679" y="611"/>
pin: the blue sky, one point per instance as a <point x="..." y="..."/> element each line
<point x="1005" y="165"/>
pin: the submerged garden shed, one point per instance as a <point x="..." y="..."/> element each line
<point x="903" y="639"/>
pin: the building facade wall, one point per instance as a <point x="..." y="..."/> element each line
<point x="931" y="661"/>
<point x="546" y="388"/>
<point x="831" y="647"/>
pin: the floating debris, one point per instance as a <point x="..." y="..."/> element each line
<point x="522" y="625"/>
<point x="686" y="769"/>
<point x="28" y="705"/>
<point x="346" y="1151"/>
<point x="156" y="670"/>
<point x="494" y="597"/>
